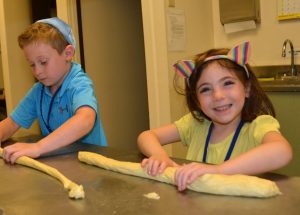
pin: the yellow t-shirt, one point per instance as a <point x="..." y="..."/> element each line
<point x="193" y="135"/>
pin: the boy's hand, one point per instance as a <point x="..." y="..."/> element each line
<point x="187" y="174"/>
<point x="12" y="152"/>
<point x="156" y="165"/>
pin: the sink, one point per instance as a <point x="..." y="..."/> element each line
<point x="280" y="84"/>
<point x="278" y="78"/>
<point x="289" y="78"/>
<point x="285" y="81"/>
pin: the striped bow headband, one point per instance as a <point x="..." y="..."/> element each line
<point x="239" y="54"/>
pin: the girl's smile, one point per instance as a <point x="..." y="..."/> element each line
<point x="222" y="108"/>
<point x="221" y="95"/>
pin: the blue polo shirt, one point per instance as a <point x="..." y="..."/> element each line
<point x="76" y="91"/>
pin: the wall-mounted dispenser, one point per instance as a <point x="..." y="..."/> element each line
<point x="239" y="15"/>
<point x="237" y="11"/>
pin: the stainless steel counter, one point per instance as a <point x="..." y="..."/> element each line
<point x="280" y="86"/>
<point x="279" y="73"/>
<point x="27" y="191"/>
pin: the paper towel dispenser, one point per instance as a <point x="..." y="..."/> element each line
<point x="239" y="10"/>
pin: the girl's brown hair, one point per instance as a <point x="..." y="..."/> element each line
<point x="256" y="104"/>
<point x="41" y="32"/>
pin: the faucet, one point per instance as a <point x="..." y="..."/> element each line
<point x="293" y="68"/>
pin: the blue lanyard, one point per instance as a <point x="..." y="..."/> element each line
<point x="234" y="139"/>
<point x="50" y="108"/>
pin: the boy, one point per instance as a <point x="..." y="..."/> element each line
<point x="63" y="99"/>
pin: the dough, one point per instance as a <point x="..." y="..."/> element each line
<point x="75" y="191"/>
<point x="235" y="185"/>
<point x="152" y="195"/>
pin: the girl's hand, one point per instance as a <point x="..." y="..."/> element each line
<point x="188" y="173"/>
<point x="156" y="165"/>
<point x="12" y="152"/>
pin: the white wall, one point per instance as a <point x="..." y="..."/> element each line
<point x="165" y="105"/>
<point x="266" y="40"/>
<point x="199" y="38"/>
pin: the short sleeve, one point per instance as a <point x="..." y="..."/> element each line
<point x="262" y="125"/>
<point x="26" y="111"/>
<point x="185" y="128"/>
<point x="83" y="94"/>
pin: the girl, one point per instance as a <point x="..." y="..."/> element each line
<point x="231" y="122"/>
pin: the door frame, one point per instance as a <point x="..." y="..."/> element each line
<point x="67" y="11"/>
<point x="156" y="56"/>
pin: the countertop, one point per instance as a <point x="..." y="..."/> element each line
<point x="278" y="73"/>
<point x="280" y="86"/>
<point x="28" y="191"/>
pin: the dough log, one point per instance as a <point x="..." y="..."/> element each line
<point x="234" y="185"/>
<point x="75" y="191"/>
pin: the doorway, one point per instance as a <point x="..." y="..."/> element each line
<point x="114" y="53"/>
<point x="3" y="112"/>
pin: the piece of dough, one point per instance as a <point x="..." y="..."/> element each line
<point x="152" y="195"/>
<point x="75" y="191"/>
<point x="235" y="185"/>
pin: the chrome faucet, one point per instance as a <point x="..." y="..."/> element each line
<point x="293" y="68"/>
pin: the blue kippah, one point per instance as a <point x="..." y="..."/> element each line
<point x="62" y="27"/>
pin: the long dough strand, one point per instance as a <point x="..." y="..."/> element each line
<point x="234" y="185"/>
<point x="75" y="191"/>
